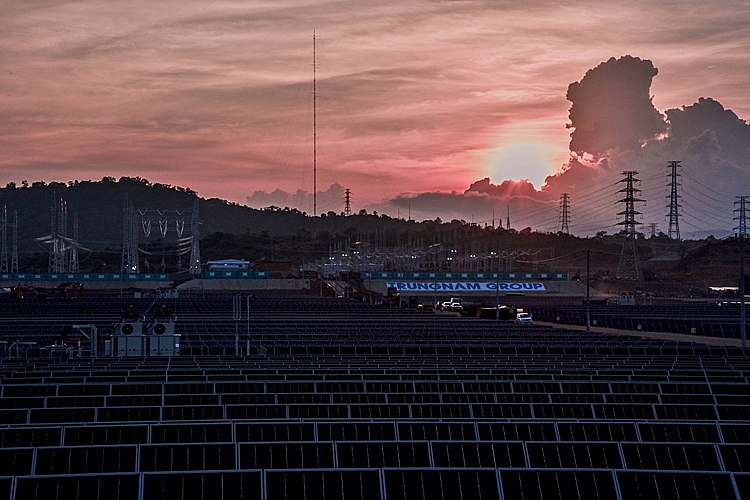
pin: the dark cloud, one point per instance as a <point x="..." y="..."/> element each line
<point x="707" y="121"/>
<point x="612" y="107"/>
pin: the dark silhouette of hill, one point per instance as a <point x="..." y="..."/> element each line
<point x="230" y="230"/>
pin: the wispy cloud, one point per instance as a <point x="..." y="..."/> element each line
<point x="414" y="97"/>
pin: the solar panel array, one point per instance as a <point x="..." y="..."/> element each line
<point x="711" y="319"/>
<point x="341" y="400"/>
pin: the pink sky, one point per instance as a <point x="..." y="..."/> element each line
<point x="414" y="96"/>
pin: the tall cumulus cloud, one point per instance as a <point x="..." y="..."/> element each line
<point x="615" y="127"/>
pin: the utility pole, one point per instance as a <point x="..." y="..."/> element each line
<point x="742" y="232"/>
<point x="628" y="268"/>
<point x="14" y="251"/>
<point x="674" y="216"/>
<point x="4" y="250"/>
<point x="564" y="213"/>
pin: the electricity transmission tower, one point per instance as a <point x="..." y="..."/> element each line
<point x="347" y="202"/>
<point x="564" y="213"/>
<point x="628" y="268"/>
<point x="674" y="216"/>
<point x="742" y="201"/>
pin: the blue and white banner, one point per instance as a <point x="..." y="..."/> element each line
<point x="465" y="286"/>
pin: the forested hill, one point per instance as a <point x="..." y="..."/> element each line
<point x="229" y="230"/>
<point x="99" y="206"/>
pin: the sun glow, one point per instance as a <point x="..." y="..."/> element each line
<point x="529" y="150"/>
<point x="526" y="160"/>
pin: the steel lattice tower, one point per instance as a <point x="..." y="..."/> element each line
<point x="564" y="213"/>
<point x="629" y="268"/>
<point x="347" y="202"/>
<point x="674" y="216"/>
<point x="741" y="228"/>
<point x="742" y="201"/>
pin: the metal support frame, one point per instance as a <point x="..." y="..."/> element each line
<point x="136" y="220"/>
<point x="93" y="337"/>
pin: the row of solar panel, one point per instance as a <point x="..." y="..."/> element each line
<point x="177" y="390"/>
<point x="116" y="434"/>
<point x="708" y="320"/>
<point x="23" y="388"/>
<point x="524" y="411"/>
<point x="304" y="363"/>
<point x="538" y="370"/>
<point x="393" y="484"/>
<point x="378" y="454"/>
<point x="444" y="398"/>
<point x="404" y="374"/>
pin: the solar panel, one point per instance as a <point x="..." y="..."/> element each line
<point x="276" y="455"/>
<point x="6" y="488"/>
<point x="323" y="485"/>
<point x="16" y="461"/>
<point x="570" y="455"/>
<point x="671" y="456"/>
<point x="185" y="457"/>
<point x="106" y="487"/>
<point x="671" y="485"/>
<point x="373" y="454"/>
<point x="735" y="457"/>
<point x="239" y="485"/>
<point x="597" y="431"/>
<point x="558" y="484"/>
<point x="85" y="460"/>
<point x="468" y="454"/>
<point x="191" y="433"/>
<point x="416" y="484"/>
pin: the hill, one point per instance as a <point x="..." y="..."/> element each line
<point x="229" y="230"/>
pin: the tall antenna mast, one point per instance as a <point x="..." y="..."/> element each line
<point x="14" y="254"/>
<point x="4" y="251"/>
<point x="315" y="135"/>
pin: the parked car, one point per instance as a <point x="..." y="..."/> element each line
<point x="524" y="318"/>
